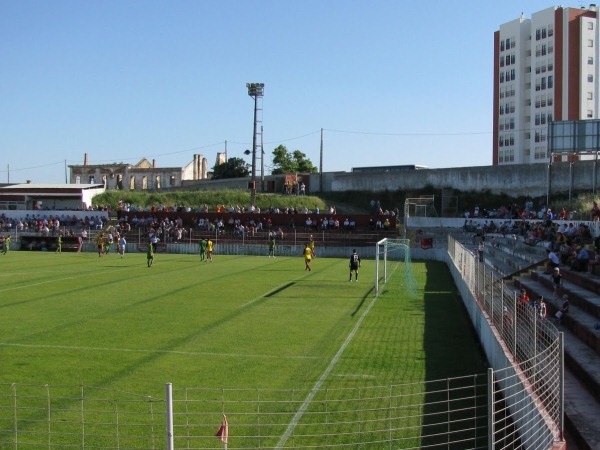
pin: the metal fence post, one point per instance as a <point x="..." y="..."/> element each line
<point x="169" y="403"/>
<point x="561" y="382"/>
<point x="490" y="379"/>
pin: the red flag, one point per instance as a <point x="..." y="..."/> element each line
<point x="223" y="431"/>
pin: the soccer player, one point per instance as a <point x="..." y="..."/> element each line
<point x="354" y="265"/>
<point x="6" y="244"/>
<point x="209" y="250"/>
<point x="312" y="245"/>
<point x="308" y="255"/>
<point x="150" y="254"/>
<point x="59" y="244"/>
<point x="203" y="245"/>
<point x="122" y="244"/>
<point x="272" y="246"/>
<point x="100" y="242"/>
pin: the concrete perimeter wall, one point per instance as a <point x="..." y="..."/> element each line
<point x="514" y="180"/>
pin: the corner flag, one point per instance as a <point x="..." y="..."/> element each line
<point x="223" y="431"/>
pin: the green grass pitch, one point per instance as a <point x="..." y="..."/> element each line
<point x="238" y="322"/>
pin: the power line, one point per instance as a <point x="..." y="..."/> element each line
<point x="472" y="133"/>
<point x="311" y="133"/>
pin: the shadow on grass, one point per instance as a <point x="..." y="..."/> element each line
<point x="455" y="411"/>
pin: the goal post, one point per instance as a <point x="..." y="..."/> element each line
<point x="390" y="256"/>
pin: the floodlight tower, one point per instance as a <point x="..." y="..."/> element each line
<point x="255" y="90"/>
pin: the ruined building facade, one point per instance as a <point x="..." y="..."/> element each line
<point x="141" y="176"/>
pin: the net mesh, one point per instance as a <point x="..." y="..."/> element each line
<point x="394" y="265"/>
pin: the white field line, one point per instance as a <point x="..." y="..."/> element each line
<point x="296" y="419"/>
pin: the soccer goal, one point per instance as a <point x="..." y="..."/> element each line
<point x="391" y="256"/>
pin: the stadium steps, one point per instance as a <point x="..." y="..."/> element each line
<point x="511" y="258"/>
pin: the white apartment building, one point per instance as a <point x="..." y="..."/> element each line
<point x="545" y="69"/>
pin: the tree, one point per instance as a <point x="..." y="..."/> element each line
<point x="286" y="162"/>
<point x="233" y="168"/>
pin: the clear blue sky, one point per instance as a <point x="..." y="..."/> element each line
<point x="390" y="81"/>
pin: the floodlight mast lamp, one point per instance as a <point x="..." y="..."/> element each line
<point x="255" y="90"/>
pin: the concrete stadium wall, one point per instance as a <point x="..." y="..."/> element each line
<point x="514" y="180"/>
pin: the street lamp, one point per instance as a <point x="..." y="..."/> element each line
<point x="255" y="90"/>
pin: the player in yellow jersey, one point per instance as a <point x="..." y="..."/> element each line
<point x="100" y="242"/>
<point x="308" y="255"/>
<point x="209" y="250"/>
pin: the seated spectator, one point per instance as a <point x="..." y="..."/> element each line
<point x="582" y="258"/>
<point x="565" y="252"/>
<point x="593" y="262"/>
<point x="523" y="297"/>
<point x="595" y="211"/>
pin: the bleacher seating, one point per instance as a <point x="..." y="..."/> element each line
<point x="514" y="259"/>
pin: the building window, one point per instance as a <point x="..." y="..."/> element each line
<point x="144" y="182"/>
<point x="590" y="60"/>
<point x="590" y="42"/>
<point x="550" y="81"/>
<point x="590" y="96"/>
<point x="590" y="78"/>
<point x="590" y="25"/>
<point x="501" y="46"/>
<point x="132" y="183"/>
<point x="538" y="34"/>
<point x="507" y="44"/>
<point x="92" y="180"/>
<point x="119" y="181"/>
<point x="543" y="33"/>
<point x="590" y="113"/>
<point x="78" y="179"/>
<point x="512" y="59"/>
<point x="512" y="74"/>
<point x="507" y="60"/>
<point x="172" y="180"/>
<point x="157" y="182"/>
<point x="544" y="49"/>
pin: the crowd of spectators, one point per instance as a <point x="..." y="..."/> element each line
<point x="50" y="225"/>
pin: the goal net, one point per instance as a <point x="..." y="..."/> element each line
<point x="392" y="261"/>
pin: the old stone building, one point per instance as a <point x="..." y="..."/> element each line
<point x="141" y="176"/>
